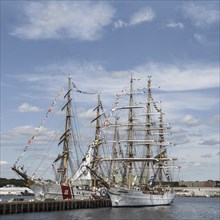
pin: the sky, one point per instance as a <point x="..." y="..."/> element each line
<point x="101" y="44"/>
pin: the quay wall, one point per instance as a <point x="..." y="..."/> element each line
<point x="198" y="191"/>
<point x="55" y="205"/>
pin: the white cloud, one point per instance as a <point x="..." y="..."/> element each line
<point x="190" y="121"/>
<point x="40" y="135"/>
<point x="143" y="15"/>
<point x="25" y="107"/>
<point x="187" y="76"/>
<point x="202" y="15"/>
<point x="2" y="162"/>
<point x="173" y="24"/>
<point x="26" y="130"/>
<point x="87" y="114"/>
<point x="119" y="24"/>
<point x="209" y="142"/>
<point x="65" y="19"/>
<point x="190" y="82"/>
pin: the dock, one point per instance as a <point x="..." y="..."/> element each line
<point x="54" y="205"/>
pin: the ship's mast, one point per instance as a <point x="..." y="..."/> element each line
<point x="115" y="150"/>
<point x="130" y="135"/>
<point x="66" y="136"/>
<point x="148" y="132"/>
<point x="161" y="140"/>
<point x="97" y="141"/>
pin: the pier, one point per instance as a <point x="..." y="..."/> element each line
<point x="54" y="205"/>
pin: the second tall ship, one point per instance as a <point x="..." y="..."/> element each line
<point x="137" y="159"/>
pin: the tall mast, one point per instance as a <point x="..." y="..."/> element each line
<point x="161" y="140"/>
<point x="115" y="150"/>
<point x="148" y="132"/>
<point x="130" y="135"/>
<point x="97" y="141"/>
<point x="66" y="136"/>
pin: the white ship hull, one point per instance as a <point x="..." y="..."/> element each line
<point x="121" y="197"/>
<point x="49" y="190"/>
<point x="45" y="190"/>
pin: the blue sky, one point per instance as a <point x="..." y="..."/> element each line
<point x="101" y="43"/>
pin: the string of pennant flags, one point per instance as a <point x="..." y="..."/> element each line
<point x="115" y="105"/>
<point x="118" y="98"/>
<point x="40" y="126"/>
<point x="150" y="94"/>
<point x="155" y="106"/>
<point x="80" y="91"/>
<point x="107" y="118"/>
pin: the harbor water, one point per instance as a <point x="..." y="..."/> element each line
<point x="183" y="208"/>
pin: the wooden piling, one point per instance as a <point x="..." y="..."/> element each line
<point x="53" y="205"/>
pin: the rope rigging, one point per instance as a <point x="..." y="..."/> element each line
<point x="40" y="126"/>
<point x="75" y="135"/>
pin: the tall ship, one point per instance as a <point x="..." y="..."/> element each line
<point x="137" y="167"/>
<point x="71" y="177"/>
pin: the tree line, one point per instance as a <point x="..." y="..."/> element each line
<point x="15" y="182"/>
